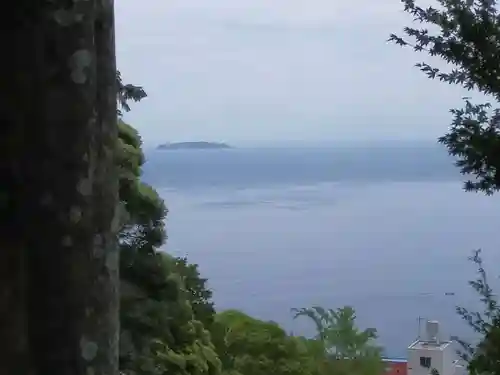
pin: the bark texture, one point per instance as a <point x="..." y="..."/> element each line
<point x="58" y="253"/>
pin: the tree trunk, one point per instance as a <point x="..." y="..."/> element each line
<point x="58" y="135"/>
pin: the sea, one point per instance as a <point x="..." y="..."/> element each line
<point x="383" y="227"/>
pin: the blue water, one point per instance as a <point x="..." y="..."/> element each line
<point x="385" y="228"/>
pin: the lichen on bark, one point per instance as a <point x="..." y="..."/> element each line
<point x="80" y="62"/>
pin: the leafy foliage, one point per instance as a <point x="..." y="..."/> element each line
<point x="159" y="333"/>
<point x="249" y="346"/>
<point x="468" y="38"/>
<point x="199" y="295"/>
<point x="127" y="92"/>
<point x="483" y="358"/>
<point x="348" y="349"/>
<point x="145" y="211"/>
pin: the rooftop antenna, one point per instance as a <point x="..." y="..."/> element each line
<point x="419" y="327"/>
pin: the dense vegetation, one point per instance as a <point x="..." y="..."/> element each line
<point x="466" y="34"/>
<point x="159" y="332"/>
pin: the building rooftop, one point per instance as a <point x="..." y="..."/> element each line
<point x="429" y="345"/>
<point x="396" y="366"/>
<point x="395" y="360"/>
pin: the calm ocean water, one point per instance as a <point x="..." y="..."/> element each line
<point x="384" y="228"/>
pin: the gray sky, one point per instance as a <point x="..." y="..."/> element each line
<point x="255" y="70"/>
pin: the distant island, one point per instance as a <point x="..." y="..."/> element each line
<point x="193" y="146"/>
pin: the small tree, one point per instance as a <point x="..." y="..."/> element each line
<point x="484" y="357"/>
<point x="249" y="346"/>
<point x="350" y="350"/>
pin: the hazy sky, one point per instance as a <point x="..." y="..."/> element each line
<point x="252" y="70"/>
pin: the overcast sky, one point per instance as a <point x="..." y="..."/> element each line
<point x="269" y="70"/>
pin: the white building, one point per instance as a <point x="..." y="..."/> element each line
<point x="433" y="355"/>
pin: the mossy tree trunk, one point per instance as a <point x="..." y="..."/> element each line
<point x="58" y="251"/>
